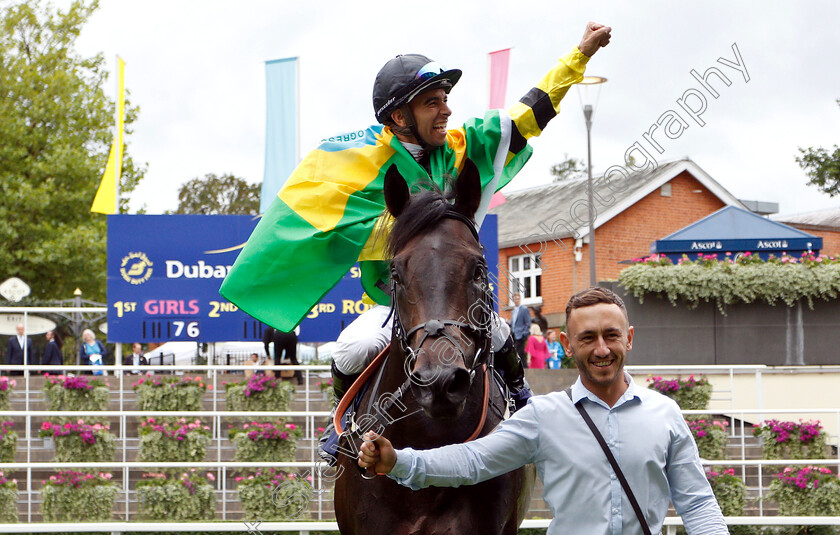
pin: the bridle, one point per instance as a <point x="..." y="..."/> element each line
<point x="478" y="323"/>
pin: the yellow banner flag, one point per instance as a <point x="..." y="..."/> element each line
<point x="105" y="201"/>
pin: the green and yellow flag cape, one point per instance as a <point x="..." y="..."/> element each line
<point x="323" y="219"/>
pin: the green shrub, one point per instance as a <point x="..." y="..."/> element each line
<point x="272" y="495"/>
<point x="8" y="442"/>
<point x="710" y="437"/>
<point x="265" y="442"/>
<point x="80" y="393"/>
<point x="8" y="500"/>
<point x="173" y="440"/>
<point x="79" y="441"/>
<point x="78" y="497"/>
<point x="169" y="393"/>
<point x="176" y="498"/>
<point x="259" y="393"/>
<point x="791" y="440"/>
<point x="690" y="394"/>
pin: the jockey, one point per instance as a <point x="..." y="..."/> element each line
<point x="299" y="239"/>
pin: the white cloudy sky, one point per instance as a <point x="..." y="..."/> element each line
<point x="196" y="69"/>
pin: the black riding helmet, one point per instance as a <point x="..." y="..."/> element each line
<point x="405" y="77"/>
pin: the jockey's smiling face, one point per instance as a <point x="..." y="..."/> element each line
<point x="431" y="114"/>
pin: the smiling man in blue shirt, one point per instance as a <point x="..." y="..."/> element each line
<point x="644" y="430"/>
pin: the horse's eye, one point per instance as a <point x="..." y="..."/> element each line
<point x="395" y="277"/>
<point x="478" y="273"/>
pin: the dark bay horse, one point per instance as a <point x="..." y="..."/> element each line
<point x="435" y="387"/>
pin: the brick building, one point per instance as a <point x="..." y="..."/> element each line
<point x="823" y="223"/>
<point x="551" y="222"/>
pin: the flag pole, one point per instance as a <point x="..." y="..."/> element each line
<point x="117" y="345"/>
<point x="117" y="122"/>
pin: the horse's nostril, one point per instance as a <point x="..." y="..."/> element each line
<point x="458" y="385"/>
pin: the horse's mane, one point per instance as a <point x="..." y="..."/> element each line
<point x="422" y="212"/>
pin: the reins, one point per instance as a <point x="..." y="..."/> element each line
<point x="371" y="368"/>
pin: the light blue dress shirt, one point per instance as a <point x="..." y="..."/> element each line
<point x="646" y="433"/>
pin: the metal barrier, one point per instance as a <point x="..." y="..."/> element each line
<point x="216" y="416"/>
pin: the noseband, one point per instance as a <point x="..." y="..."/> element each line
<point x="436" y="328"/>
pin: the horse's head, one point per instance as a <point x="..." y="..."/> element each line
<point x="439" y="289"/>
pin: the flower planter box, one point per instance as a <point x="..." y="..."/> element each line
<point x="8" y="500"/>
<point x="188" y="497"/>
<point x="179" y="440"/>
<point x="259" y="393"/>
<point x="791" y="440"/>
<point x="78" y="497"/>
<point x="76" y="393"/>
<point x="265" y="442"/>
<point x="691" y="394"/>
<point x="79" y="441"/>
<point x="272" y="495"/>
<point x="8" y="442"/>
<point x="6" y="386"/>
<point x="806" y="491"/>
<point x="169" y="393"/>
<point x="710" y="437"/>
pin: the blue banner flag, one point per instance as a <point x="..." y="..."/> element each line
<point x="281" y="126"/>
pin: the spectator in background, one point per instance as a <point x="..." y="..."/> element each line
<point x="283" y="341"/>
<point x="555" y="351"/>
<point x="92" y="352"/>
<point x="52" y="353"/>
<point x="536" y="348"/>
<point x="136" y="358"/>
<point x="520" y="323"/>
<point x="539" y="319"/>
<point x="17" y="346"/>
<point x="253" y="360"/>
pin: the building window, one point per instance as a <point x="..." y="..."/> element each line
<point x="525" y="275"/>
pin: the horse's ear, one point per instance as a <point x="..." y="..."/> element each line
<point x="468" y="189"/>
<point x="396" y="191"/>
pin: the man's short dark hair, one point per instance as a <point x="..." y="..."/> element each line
<point x="593" y="296"/>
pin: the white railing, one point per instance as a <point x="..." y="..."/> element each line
<point x="222" y="468"/>
<point x="304" y="528"/>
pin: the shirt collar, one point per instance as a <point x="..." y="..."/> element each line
<point x="415" y="150"/>
<point x="579" y="392"/>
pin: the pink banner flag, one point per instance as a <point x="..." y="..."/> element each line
<point x="499" y="61"/>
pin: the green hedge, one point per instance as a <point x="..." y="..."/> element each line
<point x="748" y="279"/>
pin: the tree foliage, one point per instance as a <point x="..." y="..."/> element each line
<point x="56" y="127"/>
<point x="822" y="167"/>
<point x="568" y="169"/>
<point x="226" y="194"/>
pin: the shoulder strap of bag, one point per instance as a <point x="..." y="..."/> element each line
<point x="611" y="458"/>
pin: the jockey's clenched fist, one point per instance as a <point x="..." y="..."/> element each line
<point x="595" y="37"/>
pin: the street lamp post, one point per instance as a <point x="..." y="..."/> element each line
<point x="587" y="115"/>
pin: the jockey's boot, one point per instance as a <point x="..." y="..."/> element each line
<point x="328" y="443"/>
<point x="508" y="362"/>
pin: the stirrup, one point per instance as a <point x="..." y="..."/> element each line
<point x="328" y="445"/>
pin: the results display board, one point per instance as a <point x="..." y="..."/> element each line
<point x="164" y="274"/>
